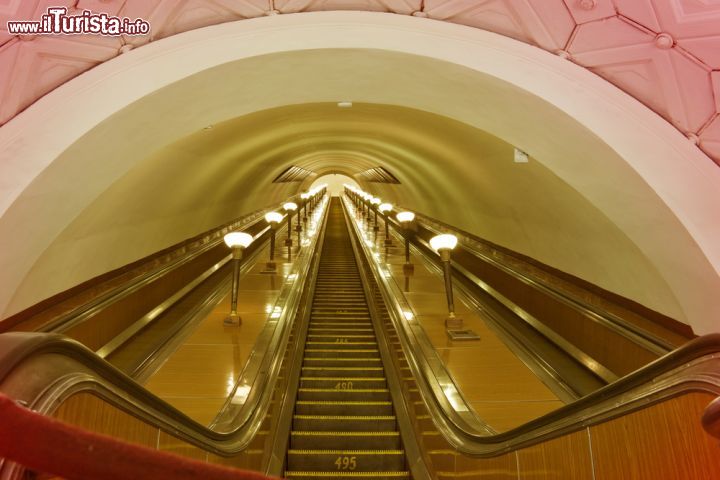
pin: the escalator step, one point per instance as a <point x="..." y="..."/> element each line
<point x="353" y="423"/>
<point x="342" y="382"/>
<point x="329" y="460"/>
<point x="321" y="407"/>
<point x="375" y="440"/>
<point x="331" y="394"/>
<point x="335" y="371"/>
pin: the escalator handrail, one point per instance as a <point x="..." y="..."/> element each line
<point x="88" y="309"/>
<point x="693" y="367"/>
<point x="595" y="313"/>
<point x="80" y="369"/>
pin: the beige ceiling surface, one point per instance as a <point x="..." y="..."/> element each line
<point x="150" y="175"/>
<point x="448" y="169"/>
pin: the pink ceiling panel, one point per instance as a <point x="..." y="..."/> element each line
<point x="688" y="18"/>
<point x="584" y="11"/>
<point x="170" y="17"/>
<point x="546" y="23"/>
<point x="40" y="64"/>
<point x="660" y="51"/>
<point x="10" y="103"/>
<point x="405" y="7"/>
<point x="24" y="10"/>
<point x="710" y="140"/>
<point x="111" y="7"/>
<point x="705" y="49"/>
<point x="649" y="68"/>
<point x="640" y="11"/>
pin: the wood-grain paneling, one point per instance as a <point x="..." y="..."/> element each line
<point x="662" y="442"/>
<point x="566" y="457"/>
<point x="89" y="412"/>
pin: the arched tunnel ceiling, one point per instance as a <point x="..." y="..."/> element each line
<point x="662" y="52"/>
<point x="202" y="179"/>
<point x="127" y="136"/>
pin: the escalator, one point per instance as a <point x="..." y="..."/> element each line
<point x="343" y="422"/>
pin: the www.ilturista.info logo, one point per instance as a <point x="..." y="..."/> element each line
<point x="56" y="21"/>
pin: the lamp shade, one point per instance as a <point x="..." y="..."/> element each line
<point x="443" y="242"/>
<point x="385" y="207"/>
<point x="290" y="206"/>
<point x="375" y="201"/>
<point x="273" y="217"/>
<point x="403" y="217"/>
<point x="238" y="239"/>
<point x="304" y="195"/>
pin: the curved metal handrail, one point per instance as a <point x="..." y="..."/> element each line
<point x="41" y="370"/>
<point x="692" y="367"/>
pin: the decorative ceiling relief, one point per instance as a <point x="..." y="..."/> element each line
<point x="665" y="53"/>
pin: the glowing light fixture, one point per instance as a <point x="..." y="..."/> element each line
<point x="444" y="244"/>
<point x="237" y="241"/>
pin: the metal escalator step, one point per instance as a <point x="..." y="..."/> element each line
<point x="343" y="382"/>
<point x="335" y="336"/>
<point x="365" y="475"/>
<point x="338" y="330"/>
<point x="354" y="353"/>
<point x="353" y="423"/>
<point x="335" y="460"/>
<point x="343" y="344"/>
<point x="320" y="407"/>
<point x="335" y="371"/>
<point x="375" y="440"/>
<point x="344" y="362"/>
<point x="329" y="394"/>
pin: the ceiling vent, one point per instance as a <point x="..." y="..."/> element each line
<point x="377" y="175"/>
<point x="293" y="174"/>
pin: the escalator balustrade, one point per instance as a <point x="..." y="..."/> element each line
<point x="344" y="423"/>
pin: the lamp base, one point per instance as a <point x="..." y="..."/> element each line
<point x="232" y="319"/>
<point x="388" y="242"/>
<point x="408" y="269"/>
<point x="288" y="242"/>
<point x="453" y="323"/>
<point x="270" y="267"/>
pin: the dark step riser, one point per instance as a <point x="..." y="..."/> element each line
<point x="344" y="442"/>
<point x="341" y="372"/>
<point x="342" y="409"/>
<point x="343" y="382"/>
<point x="345" y="353"/>
<point x="327" y="344"/>
<point x="332" y="362"/>
<point x="347" y="425"/>
<point x="378" y="462"/>
<point x="343" y="395"/>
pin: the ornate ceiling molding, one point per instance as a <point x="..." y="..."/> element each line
<point x="665" y="53"/>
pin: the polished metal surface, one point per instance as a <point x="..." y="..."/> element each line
<point x="632" y="332"/>
<point x="41" y="370"/>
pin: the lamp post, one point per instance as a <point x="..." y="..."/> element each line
<point x="304" y="196"/>
<point x="289" y="208"/>
<point x="405" y="219"/>
<point x="374" y="202"/>
<point x="237" y="241"/>
<point x="443" y="245"/>
<point x="368" y="199"/>
<point x="273" y="219"/>
<point x="385" y="209"/>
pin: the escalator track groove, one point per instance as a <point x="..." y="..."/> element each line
<point x="344" y="423"/>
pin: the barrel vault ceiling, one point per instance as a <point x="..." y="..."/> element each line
<point x="665" y="53"/>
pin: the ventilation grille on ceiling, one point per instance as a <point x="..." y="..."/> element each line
<point x="293" y="174"/>
<point x="377" y="175"/>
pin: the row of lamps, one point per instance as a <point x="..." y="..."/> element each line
<point x="365" y="204"/>
<point x="239" y="241"/>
